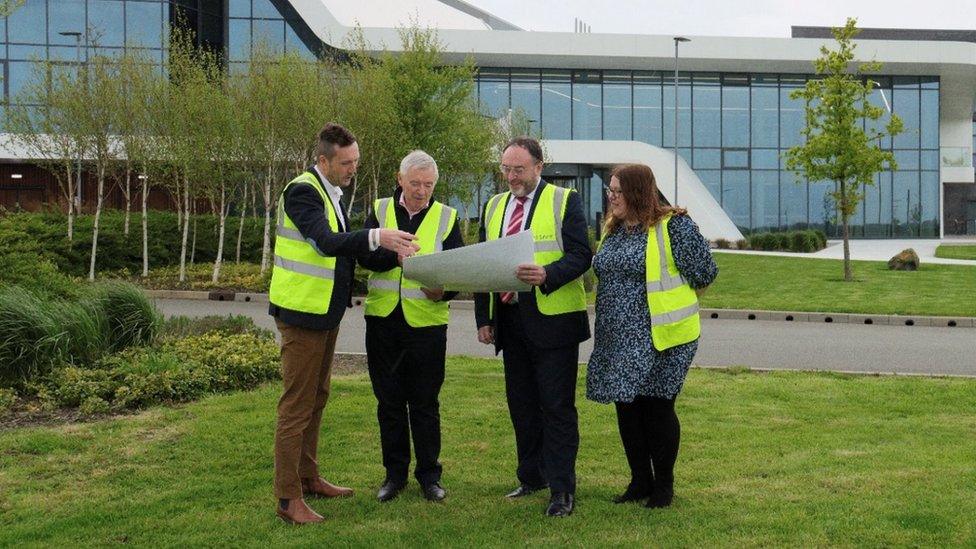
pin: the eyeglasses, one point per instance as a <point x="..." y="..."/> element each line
<point x="611" y="193"/>
<point x="517" y="170"/>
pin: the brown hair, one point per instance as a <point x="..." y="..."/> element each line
<point x="331" y="137"/>
<point x="639" y="189"/>
<point x="530" y="144"/>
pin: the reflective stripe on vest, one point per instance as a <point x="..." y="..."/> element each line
<point x="546" y="224"/>
<point x="672" y="303"/>
<point x="388" y="288"/>
<point x="302" y="279"/>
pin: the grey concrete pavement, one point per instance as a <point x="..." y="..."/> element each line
<point x="754" y="344"/>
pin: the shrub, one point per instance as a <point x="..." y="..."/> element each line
<point x="240" y="361"/>
<point x="179" y="371"/>
<point x="821" y="239"/>
<point x="7" y="400"/>
<point x="24" y="263"/>
<point x="792" y="241"/>
<point x="131" y="318"/>
<point x="803" y="241"/>
<point x="243" y="277"/>
<point x="30" y="335"/>
<point x="38" y="332"/>
<point x="178" y="327"/>
<point x="723" y="244"/>
<point x="783" y="241"/>
<point x="760" y="241"/>
<point x="742" y="244"/>
<point x="117" y="251"/>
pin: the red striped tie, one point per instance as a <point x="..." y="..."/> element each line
<point x="514" y="227"/>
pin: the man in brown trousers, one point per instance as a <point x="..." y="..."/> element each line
<point x="311" y="287"/>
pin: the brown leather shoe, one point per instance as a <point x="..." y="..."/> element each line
<point x="298" y="512"/>
<point x="321" y="488"/>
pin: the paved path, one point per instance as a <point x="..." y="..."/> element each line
<point x="877" y="250"/>
<point x="755" y="344"/>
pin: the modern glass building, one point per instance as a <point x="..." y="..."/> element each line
<point x="733" y="129"/>
<point x="735" y="116"/>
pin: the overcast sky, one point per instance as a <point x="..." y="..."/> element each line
<point x="729" y="17"/>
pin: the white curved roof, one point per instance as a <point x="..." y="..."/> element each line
<point x="712" y="220"/>
<point x="401" y="13"/>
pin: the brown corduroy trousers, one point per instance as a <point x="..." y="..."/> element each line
<point x="306" y="371"/>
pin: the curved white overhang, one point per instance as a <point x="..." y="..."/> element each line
<point x="712" y="220"/>
<point x="536" y="49"/>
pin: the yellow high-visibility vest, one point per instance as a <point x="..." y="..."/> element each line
<point x="672" y="302"/>
<point x="547" y="232"/>
<point x="388" y="288"/>
<point x="302" y="279"/>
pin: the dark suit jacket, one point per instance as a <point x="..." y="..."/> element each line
<point x="547" y="331"/>
<point x="304" y="206"/>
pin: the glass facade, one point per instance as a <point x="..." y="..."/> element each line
<point x="36" y="32"/>
<point x="733" y="130"/>
<point x="270" y="24"/>
<point x="733" y="127"/>
<point x="32" y="33"/>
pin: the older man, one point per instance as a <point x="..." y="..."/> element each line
<point x="406" y="330"/>
<point x="314" y="257"/>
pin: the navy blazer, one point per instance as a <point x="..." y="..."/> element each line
<point x="547" y="331"/>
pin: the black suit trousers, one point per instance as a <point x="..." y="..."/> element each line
<point x="406" y="369"/>
<point x="541" y="388"/>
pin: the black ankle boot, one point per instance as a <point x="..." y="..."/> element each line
<point x="635" y="491"/>
<point x="661" y="495"/>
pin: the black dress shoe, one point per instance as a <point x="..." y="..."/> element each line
<point x="524" y="490"/>
<point x="433" y="491"/>
<point x="390" y="490"/>
<point x="560" y="505"/>
<point x="634" y="492"/>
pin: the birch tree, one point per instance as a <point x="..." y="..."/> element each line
<point x="49" y="134"/>
<point x="282" y="110"/>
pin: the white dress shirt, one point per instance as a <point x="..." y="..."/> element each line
<point x="334" y="192"/>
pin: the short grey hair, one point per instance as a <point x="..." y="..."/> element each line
<point x="418" y="159"/>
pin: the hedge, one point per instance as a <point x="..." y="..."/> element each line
<point x="789" y="241"/>
<point x="46" y="235"/>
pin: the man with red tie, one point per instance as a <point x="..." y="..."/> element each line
<point x="539" y="331"/>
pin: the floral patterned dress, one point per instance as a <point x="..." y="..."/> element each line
<point x="624" y="362"/>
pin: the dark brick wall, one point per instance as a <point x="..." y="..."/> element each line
<point x="38" y="189"/>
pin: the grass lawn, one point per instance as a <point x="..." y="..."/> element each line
<point x="802" y="284"/>
<point x="783" y="459"/>
<point x="956" y="251"/>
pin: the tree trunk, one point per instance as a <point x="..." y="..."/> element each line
<point x="145" y="227"/>
<point x="848" y="274"/>
<point x="240" y="226"/>
<point x="220" y="236"/>
<point x="193" y="246"/>
<point x="186" y="233"/>
<point x="128" y="200"/>
<point x="266" y="246"/>
<point x="71" y="205"/>
<point x="465" y="220"/>
<point x="179" y="205"/>
<point x="98" y="215"/>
